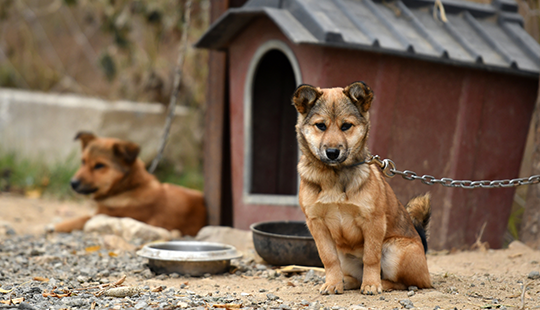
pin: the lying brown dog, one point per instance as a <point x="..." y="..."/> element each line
<point x="365" y="237"/>
<point x="121" y="187"/>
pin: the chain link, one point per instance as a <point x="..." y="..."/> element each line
<point x="389" y="169"/>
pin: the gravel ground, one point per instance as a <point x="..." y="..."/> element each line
<point x="73" y="271"/>
<point x="76" y="271"/>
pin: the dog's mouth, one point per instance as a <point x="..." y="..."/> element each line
<point x="86" y="191"/>
<point x="80" y="188"/>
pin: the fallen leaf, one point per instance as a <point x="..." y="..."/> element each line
<point x="157" y="289"/>
<point x="5" y="291"/>
<point x="295" y="268"/>
<point x="515" y="255"/>
<point x="228" y="306"/>
<point x="290" y="284"/>
<point x="94" y="248"/>
<point x="41" y="279"/>
<point x="12" y="301"/>
<point x="112" y="254"/>
<point x="124" y="291"/>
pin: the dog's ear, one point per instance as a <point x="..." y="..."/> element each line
<point x="85" y="138"/>
<point x="126" y="151"/>
<point x="304" y="98"/>
<point x="360" y="94"/>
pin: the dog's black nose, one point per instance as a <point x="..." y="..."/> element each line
<point x="75" y="184"/>
<point x="332" y="154"/>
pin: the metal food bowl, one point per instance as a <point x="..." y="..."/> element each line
<point x="285" y="243"/>
<point x="189" y="257"/>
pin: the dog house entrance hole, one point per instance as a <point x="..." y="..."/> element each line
<point x="273" y="139"/>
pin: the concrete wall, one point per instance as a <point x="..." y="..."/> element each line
<point x="40" y="126"/>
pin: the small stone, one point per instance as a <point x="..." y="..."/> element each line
<point x="272" y="297"/>
<point x="406" y="303"/>
<point x="25" y="306"/>
<point x="310" y="276"/>
<point x="410" y="293"/>
<point x="534" y="275"/>
<point x="82" y="279"/>
<point x="141" y="304"/>
<point x="413" y="288"/>
<point x="245" y="294"/>
<point x="262" y="290"/>
<point x="174" y="275"/>
<point x="260" y="267"/>
<point x="147" y="273"/>
<point x="75" y="302"/>
<point x="182" y="304"/>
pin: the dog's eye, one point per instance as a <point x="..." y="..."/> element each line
<point x="346" y="126"/>
<point x="98" y="166"/>
<point x="321" y="126"/>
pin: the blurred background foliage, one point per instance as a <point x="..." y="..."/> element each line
<point x="109" y="49"/>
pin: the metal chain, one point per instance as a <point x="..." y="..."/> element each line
<point x="388" y="168"/>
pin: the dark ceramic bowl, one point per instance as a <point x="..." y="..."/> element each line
<point x="285" y="243"/>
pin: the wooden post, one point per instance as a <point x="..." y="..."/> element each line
<point x="530" y="225"/>
<point x="215" y="159"/>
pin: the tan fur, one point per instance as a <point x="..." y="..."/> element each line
<point x="358" y="224"/>
<point x="121" y="187"/>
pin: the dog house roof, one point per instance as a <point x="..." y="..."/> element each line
<point x="489" y="36"/>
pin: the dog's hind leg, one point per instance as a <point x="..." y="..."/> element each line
<point x="404" y="264"/>
<point x="388" y="285"/>
<point x="352" y="268"/>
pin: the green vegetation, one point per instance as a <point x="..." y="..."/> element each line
<point x="191" y="177"/>
<point x="36" y="179"/>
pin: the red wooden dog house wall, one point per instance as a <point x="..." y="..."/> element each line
<point x="455" y="87"/>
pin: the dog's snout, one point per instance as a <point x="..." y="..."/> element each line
<point x="332" y="154"/>
<point x="75" y="183"/>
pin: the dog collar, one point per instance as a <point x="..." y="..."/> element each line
<point x="356" y="164"/>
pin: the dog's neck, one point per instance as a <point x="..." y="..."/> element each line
<point x="336" y="183"/>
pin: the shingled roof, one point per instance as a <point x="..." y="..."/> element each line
<point x="489" y="36"/>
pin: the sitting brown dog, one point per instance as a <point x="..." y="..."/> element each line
<point x="365" y="237"/>
<point x="121" y="187"/>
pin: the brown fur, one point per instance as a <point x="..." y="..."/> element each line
<point x="120" y="185"/>
<point x="365" y="237"/>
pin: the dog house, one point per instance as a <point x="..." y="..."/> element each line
<point x="455" y="85"/>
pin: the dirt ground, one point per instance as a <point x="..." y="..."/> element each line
<point x="464" y="280"/>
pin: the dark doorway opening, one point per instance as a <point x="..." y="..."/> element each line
<point x="274" y="146"/>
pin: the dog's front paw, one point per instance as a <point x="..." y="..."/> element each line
<point x="332" y="288"/>
<point x="371" y="289"/>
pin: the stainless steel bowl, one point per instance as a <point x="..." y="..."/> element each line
<point x="189" y="257"/>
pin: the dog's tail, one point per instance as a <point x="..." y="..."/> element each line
<point x="419" y="209"/>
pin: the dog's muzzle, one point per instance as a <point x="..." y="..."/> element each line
<point x="77" y="186"/>
<point x="333" y="156"/>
